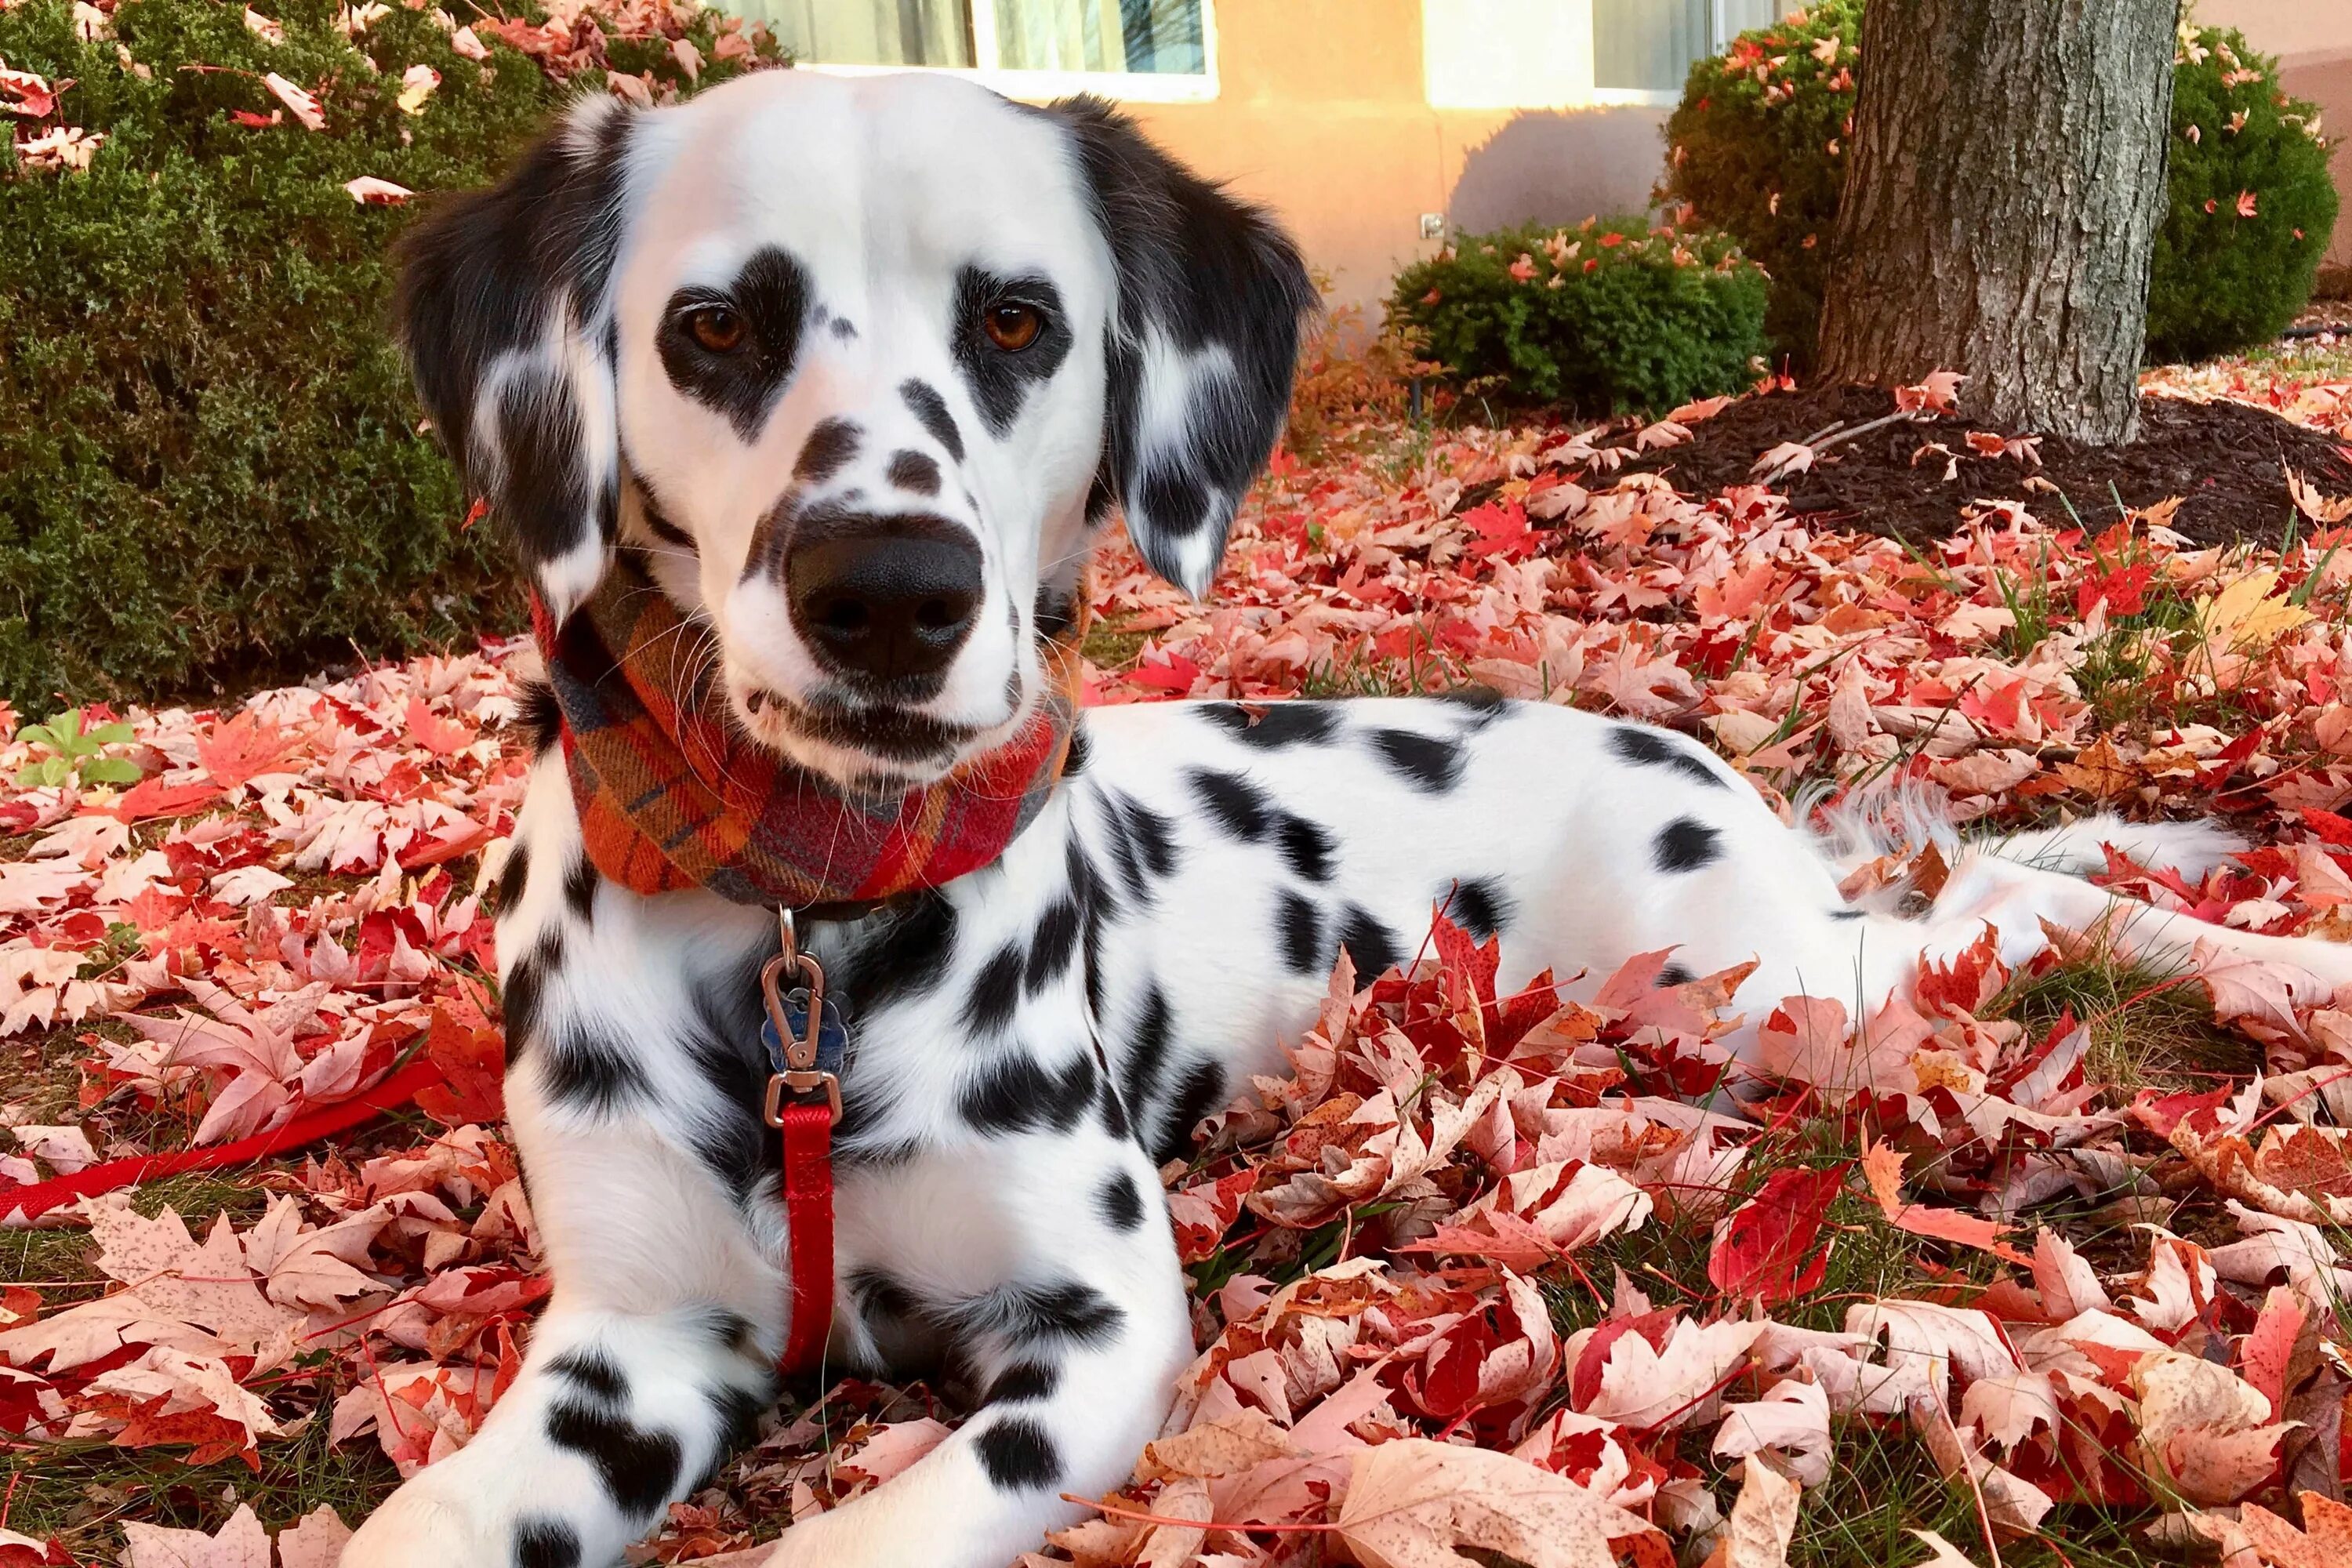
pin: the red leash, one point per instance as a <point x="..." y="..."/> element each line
<point x="803" y="1103"/>
<point x="35" y="1201"/>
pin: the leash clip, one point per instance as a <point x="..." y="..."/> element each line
<point x="802" y="1075"/>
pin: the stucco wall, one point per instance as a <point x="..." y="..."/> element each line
<point x="1322" y="113"/>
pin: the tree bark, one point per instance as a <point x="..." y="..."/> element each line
<point x="2001" y="204"/>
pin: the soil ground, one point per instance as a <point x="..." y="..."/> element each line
<point x="2228" y="461"/>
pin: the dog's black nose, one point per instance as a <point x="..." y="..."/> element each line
<point x="891" y="599"/>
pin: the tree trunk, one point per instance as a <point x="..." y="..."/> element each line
<point x="2001" y="208"/>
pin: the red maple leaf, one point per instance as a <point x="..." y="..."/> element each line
<point x="2125" y="589"/>
<point x="1766" y="1248"/>
<point x="472" y="1059"/>
<point x="442" y="737"/>
<point x="1497" y="530"/>
<point x="242" y="749"/>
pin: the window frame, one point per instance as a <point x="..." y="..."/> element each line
<point x="1030" y="86"/>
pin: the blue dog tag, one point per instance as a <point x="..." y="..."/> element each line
<point x="831" y="1035"/>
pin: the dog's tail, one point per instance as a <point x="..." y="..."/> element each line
<point x="1902" y="819"/>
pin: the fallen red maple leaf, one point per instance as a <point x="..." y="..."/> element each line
<point x="1765" y="1250"/>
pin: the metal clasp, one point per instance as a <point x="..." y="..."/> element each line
<point x="801" y="1079"/>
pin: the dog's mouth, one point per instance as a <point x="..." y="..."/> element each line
<point x="874" y="749"/>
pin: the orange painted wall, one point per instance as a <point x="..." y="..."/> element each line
<point x="1321" y="114"/>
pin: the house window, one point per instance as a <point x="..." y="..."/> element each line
<point x="1568" y="54"/>
<point x="1027" y="48"/>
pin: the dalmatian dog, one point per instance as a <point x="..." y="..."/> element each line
<point x="974" y="330"/>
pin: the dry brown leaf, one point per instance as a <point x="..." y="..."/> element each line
<point x="1414" y="1503"/>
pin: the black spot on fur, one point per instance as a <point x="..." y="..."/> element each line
<point x="1018" y="1455"/>
<point x="880" y="1294"/>
<point x="1143" y="842"/>
<point x="1202" y="1091"/>
<point x="1299" y="926"/>
<point x="1051" y="950"/>
<point x="1428" y="763"/>
<point x="536" y="714"/>
<point x="1081" y="751"/>
<point x="1484" y="703"/>
<point x="1307" y="847"/>
<point x="1023" y="1380"/>
<point x="638" y="1466"/>
<point x="827" y="451"/>
<point x="903" y="957"/>
<point x="1121" y="1204"/>
<point x="996" y="991"/>
<point x="1114" y="1111"/>
<point x="1369" y="944"/>
<point x="734" y="1331"/>
<point x="1062" y="1312"/>
<point x="736" y="1412"/>
<point x="1673" y="973"/>
<point x="843" y="330"/>
<point x="1686" y="844"/>
<point x="770" y="296"/>
<point x="1000" y="379"/>
<point x="1016" y="1095"/>
<point x="585" y="1068"/>
<point x="917" y="473"/>
<point x="723" y="1039"/>
<point x="1847" y="914"/>
<point x="514" y="876"/>
<point x="663" y="528"/>
<point x="520" y="1000"/>
<point x="579" y="888"/>
<point x="1656" y="749"/>
<point x="545" y="1543"/>
<point x="1478" y="906"/>
<point x="1282" y="724"/>
<point x="1239" y="806"/>
<point x="930" y="410"/>
<point x="1146" y="1047"/>
<point x="592" y="1370"/>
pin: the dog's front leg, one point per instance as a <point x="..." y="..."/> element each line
<point x="641" y="1377"/>
<point x="1046" y="1264"/>
<point x="626" y="1095"/>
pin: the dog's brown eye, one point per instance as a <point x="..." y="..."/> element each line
<point x="716" y="328"/>
<point x="1012" y="327"/>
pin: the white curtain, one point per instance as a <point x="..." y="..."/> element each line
<point x="870" y="32"/>
<point x="1649" y="44"/>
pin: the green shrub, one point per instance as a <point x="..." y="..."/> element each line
<point x="1757" y="146"/>
<point x="211" y="469"/>
<point x="1612" y="316"/>
<point x="2230" y="275"/>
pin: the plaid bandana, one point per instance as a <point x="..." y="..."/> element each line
<point x="672" y="794"/>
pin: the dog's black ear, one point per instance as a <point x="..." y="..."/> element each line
<point x="503" y="309"/>
<point x="1202" y="351"/>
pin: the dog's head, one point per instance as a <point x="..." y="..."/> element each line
<point x="860" y="365"/>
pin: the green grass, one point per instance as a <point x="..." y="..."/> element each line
<point x="81" y="1493"/>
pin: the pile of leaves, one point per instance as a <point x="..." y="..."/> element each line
<point x="2044" y="1266"/>
<point x="1757" y="146"/>
<point x="213" y="472"/>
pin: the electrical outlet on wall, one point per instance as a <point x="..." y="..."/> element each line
<point x="1432" y="225"/>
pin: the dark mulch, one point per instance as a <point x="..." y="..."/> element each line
<point x="2226" y="460"/>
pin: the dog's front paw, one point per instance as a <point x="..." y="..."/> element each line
<point x="437" y="1521"/>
